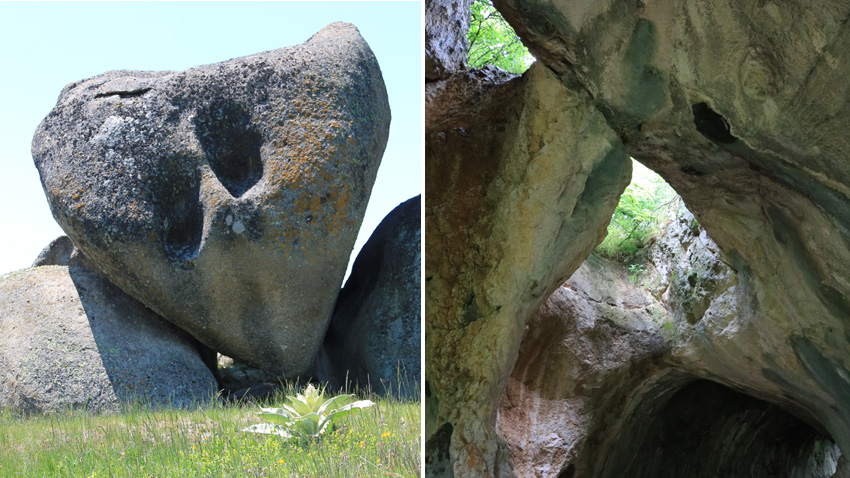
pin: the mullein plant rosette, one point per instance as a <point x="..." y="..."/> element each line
<point x="307" y="415"/>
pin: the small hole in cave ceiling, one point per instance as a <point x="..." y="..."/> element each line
<point x="711" y="124"/>
<point x="646" y="206"/>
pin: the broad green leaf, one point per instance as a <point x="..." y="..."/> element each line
<point x="300" y="405"/>
<point x="334" y="402"/>
<point x="278" y="418"/>
<point x="343" y="411"/>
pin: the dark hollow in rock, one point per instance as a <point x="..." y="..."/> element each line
<point x="179" y="202"/>
<point x="255" y="393"/>
<point x="231" y="145"/>
<point x="708" y="430"/>
<point x="711" y="124"/>
<point x="568" y="472"/>
<point x="438" y="463"/>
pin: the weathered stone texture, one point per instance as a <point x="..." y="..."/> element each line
<point x="514" y="202"/>
<point x="740" y="106"/>
<point x="446" y="23"/>
<point x="62" y="252"/>
<point x="602" y="384"/>
<point x="225" y="197"/>
<point x="375" y="336"/>
<point x="70" y="339"/>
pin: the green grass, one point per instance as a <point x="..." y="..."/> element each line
<point x="383" y="440"/>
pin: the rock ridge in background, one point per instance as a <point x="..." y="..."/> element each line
<point x="374" y="339"/>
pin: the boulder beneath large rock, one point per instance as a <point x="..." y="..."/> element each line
<point x="225" y="197"/>
<point x="71" y="339"/>
<point x="374" y="338"/>
<point x="62" y="252"/>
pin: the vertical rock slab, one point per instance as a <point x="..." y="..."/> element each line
<point x="70" y="339"/>
<point x="375" y="336"/>
<point x="225" y="197"/>
<point x="522" y="176"/>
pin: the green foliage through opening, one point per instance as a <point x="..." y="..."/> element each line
<point x="492" y="41"/>
<point x="642" y="212"/>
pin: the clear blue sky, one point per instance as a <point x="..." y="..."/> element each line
<point x="44" y="46"/>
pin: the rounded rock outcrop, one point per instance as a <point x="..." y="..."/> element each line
<point x="225" y="197"/>
<point x="71" y="339"/>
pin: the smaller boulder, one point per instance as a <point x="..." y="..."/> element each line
<point x="374" y="337"/>
<point x="71" y="339"/>
<point x="62" y="252"/>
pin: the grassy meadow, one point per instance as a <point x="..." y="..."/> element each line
<point x="383" y="440"/>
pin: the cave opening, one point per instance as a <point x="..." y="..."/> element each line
<point x="650" y="231"/>
<point x="645" y="208"/>
<point x="629" y="396"/>
<point x="708" y="430"/>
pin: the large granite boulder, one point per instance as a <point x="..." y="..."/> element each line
<point x="374" y="338"/>
<point x="225" y="197"/>
<point x="71" y="339"/>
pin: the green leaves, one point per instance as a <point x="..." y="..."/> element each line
<point x="639" y="216"/>
<point x="307" y="415"/>
<point x="492" y="41"/>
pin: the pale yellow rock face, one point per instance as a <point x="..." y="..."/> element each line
<point x="512" y="207"/>
<point x="740" y="107"/>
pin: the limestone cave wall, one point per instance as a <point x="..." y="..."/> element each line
<point x="741" y="107"/>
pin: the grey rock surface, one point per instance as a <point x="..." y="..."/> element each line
<point x="446" y="23"/>
<point x="606" y="379"/>
<point x="740" y="106"/>
<point x="71" y="339"/>
<point x="226" y="197"/>
<point x="62" y="252"/>
<point x="374" y="338"/>
<point x="57" y="253"/>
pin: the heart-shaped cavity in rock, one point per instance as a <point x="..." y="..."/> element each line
<point x="225" y="197"/>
